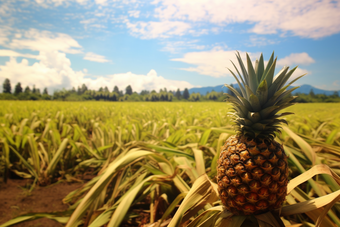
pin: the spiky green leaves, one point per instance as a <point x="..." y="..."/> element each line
<point x="261" y="96"/>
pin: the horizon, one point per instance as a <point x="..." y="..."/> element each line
<point x="164" y="43"/>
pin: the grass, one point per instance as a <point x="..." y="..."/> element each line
<point x="148" y="155"/>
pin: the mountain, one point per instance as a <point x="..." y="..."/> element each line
<point x="302" y="89"/>
<point x="204" y="90"/>
<point x="307" y="88"/>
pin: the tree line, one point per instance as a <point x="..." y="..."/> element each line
<point x="82" y="93"/>
<point x="312" y="97"/>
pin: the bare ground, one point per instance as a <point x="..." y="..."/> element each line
<point x="15" y="200"/>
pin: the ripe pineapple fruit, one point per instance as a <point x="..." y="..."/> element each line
<point x="252" y="171"/>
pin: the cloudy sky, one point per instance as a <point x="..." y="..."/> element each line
<point x="163" y="43"/>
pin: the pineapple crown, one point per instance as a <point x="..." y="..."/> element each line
<point x="260" y="97"/>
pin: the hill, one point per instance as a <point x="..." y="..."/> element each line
<point x="302" y="89"/>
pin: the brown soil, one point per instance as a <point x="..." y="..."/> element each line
<point x="15" y="201"/>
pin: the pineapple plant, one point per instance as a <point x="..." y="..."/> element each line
<point x="252" y="170"/>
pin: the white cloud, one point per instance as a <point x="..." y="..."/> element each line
<point x="257" y="41"/>
<point x="3" y="39"/>
<point x="160" y="29"/>
<point x="299" y="72"/>
<point x="82" y="2"/>
<point x="335" y="83"/>
<point x="312" y="19"/>
<point x="95" y="57"/>
<point x="46" y="3"/>
<point x="177" y="46"/>
<point x="101" y="2"/>
<point x="94" y="22"/>
<point x="166" y="29"/>
<point x="88" y="21"/>
<point x="212" y="63"/>
<point x="215" y="63"/>
<point x="6" y="9"/>
<point x="150" y="81"/>
<point x="53" y="71"/>
<point x="54" y="3"/>
<point x="97" y="26"/>
<point x="296" y="58"/>
<point x="4" y="33"/>
<point x="53" y="68"/>
<point x="11" y="53"/>
<point x="36" y="40"/>
<point x="134" y="13"/>
<point x="100" y="14"/>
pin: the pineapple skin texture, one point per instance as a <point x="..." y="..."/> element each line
<point x="252" y="175"/>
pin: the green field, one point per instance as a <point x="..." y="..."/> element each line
<point x="144" y="153"/>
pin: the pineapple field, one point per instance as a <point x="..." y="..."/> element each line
<point x="157" y="164"/>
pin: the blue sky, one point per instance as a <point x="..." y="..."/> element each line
<point x="164" y="43"/>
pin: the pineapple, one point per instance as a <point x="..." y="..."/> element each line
<point x="252" y="171"/>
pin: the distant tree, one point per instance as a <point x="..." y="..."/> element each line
<point x="170" y="96"/>
<point x="116" y="89"/>
<point x="311" y="93"/>
<point x="73" y="90"/>
<point x="6" y="87"/>
<point x="34" y="90"/>
<point x="153" y="96"/>
<point x="101" y="89"/>
<point x="212" y="95"/>
<point x="128" y="90"/>
<point x="27" y="89"/>
<point x="114" y="96"/>
<point x="165" y="89"/>
<point x="195" y="97"/>
<point x="178" y="94"/>
<point x="61" y="94"/>
<point x="186" y="94"/>
<point x="45" y="92"/>
<point x="106" y="89"/>
<point x="79" y="90"/>
<point x="18" y="89"/>
<point x="162" y="96"/>
<point x="336" y="94"/>
<point x="37" y="91"/>
<point x="83" y="88"/>
<point x="144" y="92"/>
